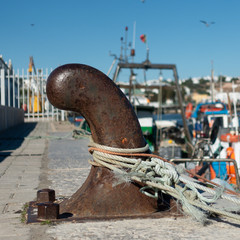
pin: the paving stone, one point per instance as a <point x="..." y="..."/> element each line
<point x="19" y="179"/>
<point x="164" y="228"/>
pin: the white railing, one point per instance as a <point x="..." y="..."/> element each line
<point x="28" y="91"/>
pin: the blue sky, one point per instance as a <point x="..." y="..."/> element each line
<point x="84" y="31"/>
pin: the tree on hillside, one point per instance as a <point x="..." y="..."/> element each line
<point x="203" y="81"/>
<point x="221" y="78"/>
<point x="188" y="83"/>
<point x="234" y="79"/>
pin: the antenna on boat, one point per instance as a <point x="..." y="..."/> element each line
<point x="159" y="111"/>
<point x="121" y="50"/>
<point x="160" y="100"/>
<point x="133" y="46"/>
<point x="113" y="63"/>
<point x="230" y="110"/>
<point x="221" y="87"/>
<point x="125" y="50"/>
<point x="115" y="57"/>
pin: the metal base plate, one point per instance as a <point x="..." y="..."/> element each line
<point x="32" y="216"/>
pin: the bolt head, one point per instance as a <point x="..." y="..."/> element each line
<point x="45" y="195"/>
<point x="48" y="210"/>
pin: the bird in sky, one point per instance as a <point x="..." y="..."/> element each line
<point x="32" y="24"/>
<point x="207" y="24"/>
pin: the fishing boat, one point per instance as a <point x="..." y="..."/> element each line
<point x="216" y="142"/>
<point x="204" y="115"/>
<point x="211" y="110"/>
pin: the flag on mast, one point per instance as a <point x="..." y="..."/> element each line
<point x="143" y="38"/>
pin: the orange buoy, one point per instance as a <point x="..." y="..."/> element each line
<point x="212" y="172"/>
<point x="188" y="111"/>
<point x="230" y="138"/>
<point x="230" y="166"/>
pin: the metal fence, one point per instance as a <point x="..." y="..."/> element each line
<point x="27" y="90"/>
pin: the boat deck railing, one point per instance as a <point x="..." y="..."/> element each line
<point x="210" y="160"/>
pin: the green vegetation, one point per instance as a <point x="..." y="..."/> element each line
<point x="168" y="92"/>
<point x="188" y="83"/>
<point x="222" y="78"/>
<point x="47" y="222"/>
<point x="202" y="87"/>
<point x="24" y="213"/>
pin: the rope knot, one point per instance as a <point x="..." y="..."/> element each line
<point x="166" y="171"/>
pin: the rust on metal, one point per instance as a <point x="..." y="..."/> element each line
<point x="48" y="210"/>
<point x="113" y="122"/>
<point x="45" y="195"/>
<point x="83" y="89"/>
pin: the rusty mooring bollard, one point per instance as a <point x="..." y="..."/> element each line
<point x="83" y="89"/>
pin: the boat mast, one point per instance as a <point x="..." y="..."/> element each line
<point x="180" y="101"/>
<point x="212" y="82"/>
<point x="125" y="50"/>
<point x="235" y="108"/>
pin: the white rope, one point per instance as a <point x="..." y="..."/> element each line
<point x="158" y="174"/>
<point x="118" y="150"/>
<point x="209" y="190"/>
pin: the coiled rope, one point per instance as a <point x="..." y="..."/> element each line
<point x="158" y="174"/>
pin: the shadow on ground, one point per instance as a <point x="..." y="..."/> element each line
<point x="12" y="138"/>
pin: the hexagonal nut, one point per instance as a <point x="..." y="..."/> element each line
<point x="45" y="195"/>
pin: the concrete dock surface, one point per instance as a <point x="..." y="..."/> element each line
<point x="37" y="155"/>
